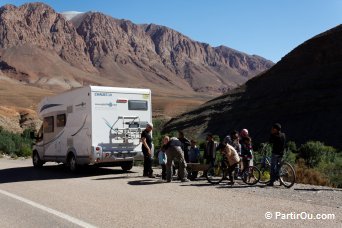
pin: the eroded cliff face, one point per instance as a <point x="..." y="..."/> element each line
<point x="40" y="49"/>
<point x="39" y="25"/>
<point x="167" y="53"/>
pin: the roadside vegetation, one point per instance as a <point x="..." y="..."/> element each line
<point x="15" y="145"/>
<point x="314" y="162"/>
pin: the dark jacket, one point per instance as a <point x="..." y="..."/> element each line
<point x="185" y="147"/>
<point x="210" y="150"/>
<point x="278" y="142"/>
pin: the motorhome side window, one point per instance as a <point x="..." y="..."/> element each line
<point x="61" y="120"/>
<point x="48" y="124"/>
<point x="137" y="105"/>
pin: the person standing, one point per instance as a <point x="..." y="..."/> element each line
<point x="185" y="145"/>
<point x="210" y="150"/>
<point x="194" y="154"/>
<point x="162" y="157"/>
<point x="246" y="152"/>
<point x="174" y="152"/>
<point x="277" y="140"/>
<point x="146" y="148"/>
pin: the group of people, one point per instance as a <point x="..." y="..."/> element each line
<point x="236" y="149"/>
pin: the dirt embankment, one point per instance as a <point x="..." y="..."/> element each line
<point x="17" y="119"/>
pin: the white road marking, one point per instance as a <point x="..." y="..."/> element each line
<point x="49" y="210"/>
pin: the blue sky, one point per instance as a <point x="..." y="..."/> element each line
<point x="269" y="28"/>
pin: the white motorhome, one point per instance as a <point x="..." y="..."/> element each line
<point x="93" y="125"/>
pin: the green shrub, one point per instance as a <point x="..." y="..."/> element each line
<point x="291" y="146"/>
<point x="333" y="170"/>
<point x="25" y="151"/>
<point x="263" y="149"/>
<point x="15" y="144"/>
<point x="313" y="152"/>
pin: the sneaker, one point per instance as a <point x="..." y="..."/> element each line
<point x="185" y="180"/>
<point x="151" y="176"/>
<point x="270" y="184"/>
<point x="168" y="181"/>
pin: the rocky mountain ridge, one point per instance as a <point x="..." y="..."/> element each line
<point x="43" y="52"/>
<point x="100" y="44"/>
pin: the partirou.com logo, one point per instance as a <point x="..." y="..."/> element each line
<point x="298" y="216"/>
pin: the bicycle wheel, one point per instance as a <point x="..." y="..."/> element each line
<point x="215" y="174"/>
<point x="265" y="172"/>
<point x="251" y="175"/>
<point x="287" y="175"/>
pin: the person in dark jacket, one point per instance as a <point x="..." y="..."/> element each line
<point x="210" y="150"/>
<point x="185" y="145"/>
<point x="277" y="140"/>
<point x="146" y="148"/>
<point x="246" y="152"/>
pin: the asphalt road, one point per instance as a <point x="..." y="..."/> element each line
<point x="52" y="197"/>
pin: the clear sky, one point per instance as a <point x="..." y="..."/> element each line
<point x="269" y="28"/>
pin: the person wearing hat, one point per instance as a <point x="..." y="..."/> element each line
<point x="277" y="140"/>
<point x="146" y="148"/>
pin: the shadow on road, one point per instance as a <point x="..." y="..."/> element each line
<point x="145" y="182"/>
<point x="241" y="186"/>
<point x="192" y="184"/>
<point x="21" y="174"/>
<point x="317" y="189"/>
<point x="113" y="178"/>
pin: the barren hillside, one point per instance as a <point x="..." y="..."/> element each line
<point x="303" y="92"/>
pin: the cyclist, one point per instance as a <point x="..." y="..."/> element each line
<point x="244" y="133"/>
<point x="234" y="140"/>
<point x="231" y="159"/>
<point x="246" y="152"/>
<point x="277" y="140"/>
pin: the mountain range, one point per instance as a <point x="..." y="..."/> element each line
<point x="40" y="47"/>
<point x="43" y="52"/>
<point x="303" y="92"/>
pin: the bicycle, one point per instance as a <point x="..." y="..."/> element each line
<point x="217" y="173"/>
<point x="286" y="175"/>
